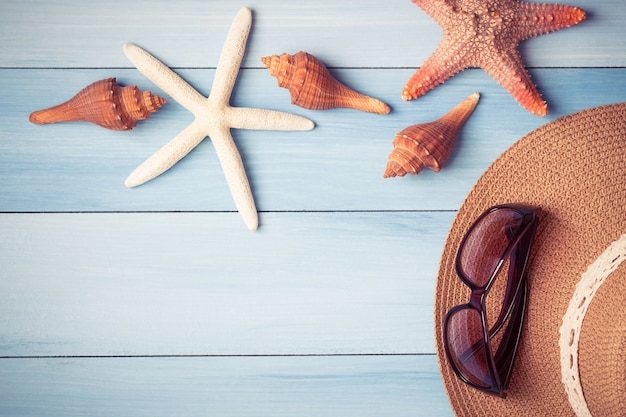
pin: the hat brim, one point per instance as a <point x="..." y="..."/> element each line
<point x="574" y="170"/>
<point x="602" y="348"/>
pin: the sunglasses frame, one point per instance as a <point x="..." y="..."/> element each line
<point x="500" y="365"/>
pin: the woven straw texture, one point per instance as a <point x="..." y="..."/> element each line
<point x="602" y="349"/>
<point x="574" y="170"/>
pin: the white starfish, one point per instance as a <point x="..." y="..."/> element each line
<point x="214" y="117"/>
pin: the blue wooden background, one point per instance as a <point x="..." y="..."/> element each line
<point x="157" y="301"/>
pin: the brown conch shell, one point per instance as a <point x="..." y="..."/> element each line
<point x="313" y="87"/>
<point x="104" y="103"/>
<point x="428" y="144"/>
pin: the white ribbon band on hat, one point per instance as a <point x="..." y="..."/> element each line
<point x="590" y="282"/>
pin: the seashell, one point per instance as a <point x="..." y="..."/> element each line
<point x="104" y="103"/>
<point x="428" y="144"/>
<point x="313" y="87"/>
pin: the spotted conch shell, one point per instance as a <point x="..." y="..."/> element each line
<point x="428" y="144"/>
<point x="104" y="103"/>
<point x="313" y="87"/>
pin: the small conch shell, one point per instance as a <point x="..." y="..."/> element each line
<point x="313" y="87"/>
<point x="104" y="103"/>
<point x="428" y="144"/>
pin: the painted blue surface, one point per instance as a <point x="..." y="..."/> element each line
<point x="157" y="300"/>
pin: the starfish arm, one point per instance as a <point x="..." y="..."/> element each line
<point x="231" y="57"/>
<point x="164" y="78"/>
<point x="510" y="73"/>
<point x="447" y="60"/>
<point x="441" y="11"/>
<point x="262" y="119"/>
<point x="536" y="19"/>
<point x="235" y="174"/>
<point x="168" y="155"/>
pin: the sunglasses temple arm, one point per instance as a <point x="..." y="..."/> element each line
<point x="516" y="268"/>
<point x="480" y="344"/>
<point x="510" y="293"/>
<point x="510" y="297"/>
<point x="505" y="355"/>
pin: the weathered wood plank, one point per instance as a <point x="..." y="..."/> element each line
<point x="201" y="283"/>
<point x="349" y="33"/>
<point x="336" y="166"/>
<point x="223" y="386"/>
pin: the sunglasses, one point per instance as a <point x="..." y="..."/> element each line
<point x="498" y="243"/>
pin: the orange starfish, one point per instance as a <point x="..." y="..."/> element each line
<point x="485" y="34"/>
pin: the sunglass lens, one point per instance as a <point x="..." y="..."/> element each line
<point x="486" y="243"/>
<point x="466" y="346"/>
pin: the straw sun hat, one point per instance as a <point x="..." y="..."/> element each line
<point x="572" y="354"/>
